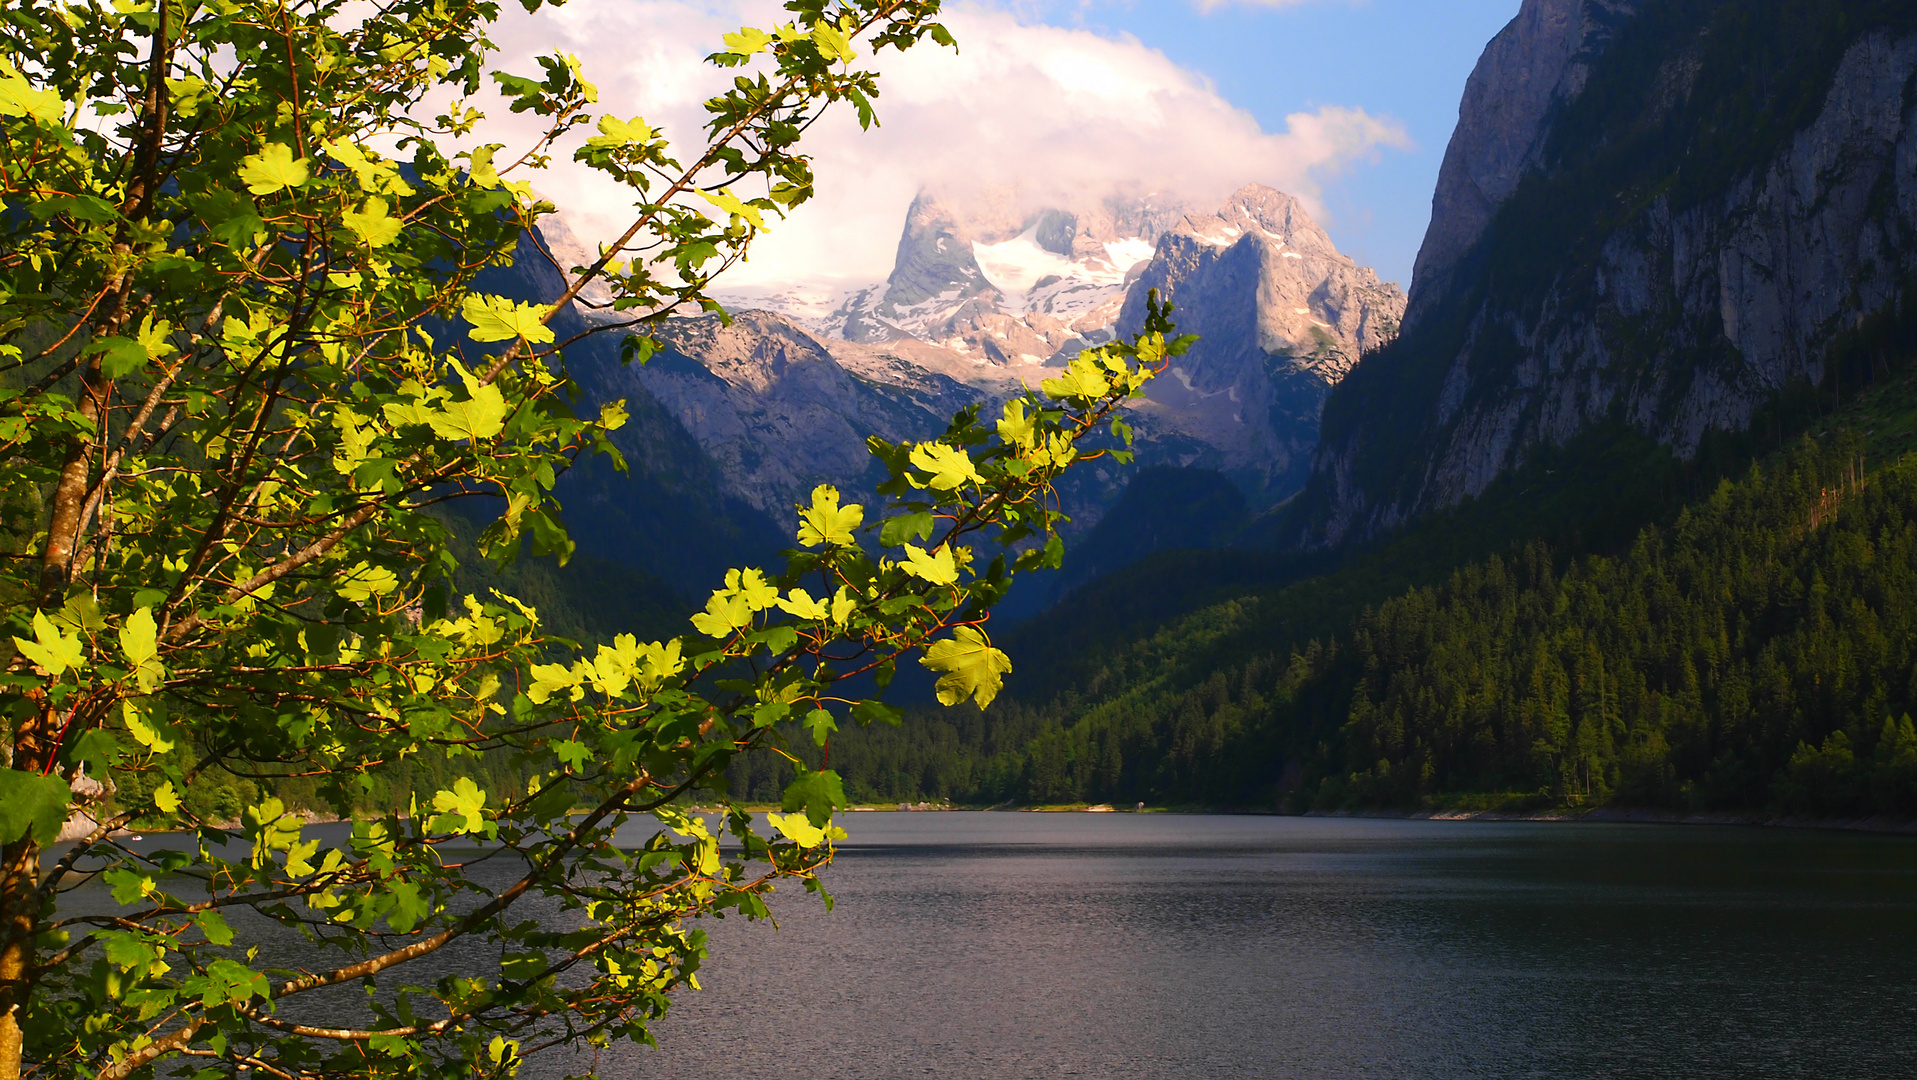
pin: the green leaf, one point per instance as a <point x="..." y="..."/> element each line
<point x="826" y="522"/>
<point x="227" y="980"/>
<point x="572" y="754"/>
<point x="97" y="749"/>
<point x="817" y="793"/>
<point x="119" y="356"/>
<point x="870" y="712"/>
<point x="496" y="318"/>
<point x="273" y="168"/>
<point x="821" y="724"/>
<point x="972" y="667"/>
<point x="213" y="925"/>
<point x="409" y="906"/>
<point x="895" y="530"/>
<point x="30" y="801"/>
<point x="241" y="231"/>
<point x="127" y="885"/>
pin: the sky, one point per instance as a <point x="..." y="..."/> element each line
<point x="1347" y="104"/>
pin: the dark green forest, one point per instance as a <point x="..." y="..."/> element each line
<point x="1759" y="652"/>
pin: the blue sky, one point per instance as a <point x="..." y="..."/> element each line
<point x="1404" y="59"/>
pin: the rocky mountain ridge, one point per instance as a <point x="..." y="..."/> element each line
<point x="1766" y="167"/>
<point x="989" y="299"/>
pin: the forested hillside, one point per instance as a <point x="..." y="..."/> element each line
<point x="1757" y="653"/>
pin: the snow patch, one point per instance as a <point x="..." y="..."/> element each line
<point x="1126" y="254"/>
<point x="1019" y="263"/>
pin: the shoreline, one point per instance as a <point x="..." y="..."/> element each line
<point x="1624" y="816"/>
<point x="1597" y="815"/>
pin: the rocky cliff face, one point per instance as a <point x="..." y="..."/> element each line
<point x="1538" y="62"/>
<point x="986" y="301"/>
<point x="779" y="414"/>
<point x="1280" y="315"/>
<point x="1706" y="200"/>
<point x="995" y="282"/>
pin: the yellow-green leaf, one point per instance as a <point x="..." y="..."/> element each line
<point x="143" y="732"/>
<point x="950" y="466"/>
<point x="1082" y="379"/>
<point x="140" y="636"/>
<point x="833" y="44"/>
<point x="496" y="318"/>
<point x="939" y="568"/>
<point x="366" y="581"/>
<point x="725" y="200"/>
<point x="50" y="650"/>
<point x="797" y="829"/>
<point x="273" y="168"/>
<point x="724" y="613"/>
<point x="617" y="132"/>
<point x="1019" y="427"/>
<point x="971" y="666"/>
<point x="751" y="585"/>
<point x="747" y="41"/>
<point x="481" y="416"/>
<point x="550" y="679"/>
<point x="826" y="522"/>
<point x="466" y="802"/>
<point x="801" y="604"/>
<point x="166" y="798"/>
<point x="372" y="225"/>
<point x="19" y="98"/>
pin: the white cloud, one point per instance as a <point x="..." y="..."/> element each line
<point x="1054" y="111"/>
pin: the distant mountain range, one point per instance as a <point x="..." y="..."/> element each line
<point x="985" y="299"/>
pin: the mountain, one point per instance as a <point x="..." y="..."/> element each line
<point x="1655" y="215"/>
<point x="994" y="282"/>
<point x="985" y="298"/>
<point x="1281" y="318"/>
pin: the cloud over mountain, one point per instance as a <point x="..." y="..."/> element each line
<point x="1052" y="111"/>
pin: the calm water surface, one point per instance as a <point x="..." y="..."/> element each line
<point x="972" y="945"/>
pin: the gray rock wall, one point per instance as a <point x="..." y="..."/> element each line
<point x="1691" y="317"/>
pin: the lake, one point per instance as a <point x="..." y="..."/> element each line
<point x="989" y="945"/>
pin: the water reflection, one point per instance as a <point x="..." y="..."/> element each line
<point x="1007" y="945"/>
<point x="1022" y="945"/>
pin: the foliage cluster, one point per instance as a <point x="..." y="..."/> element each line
<point x="246" y="360"/>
